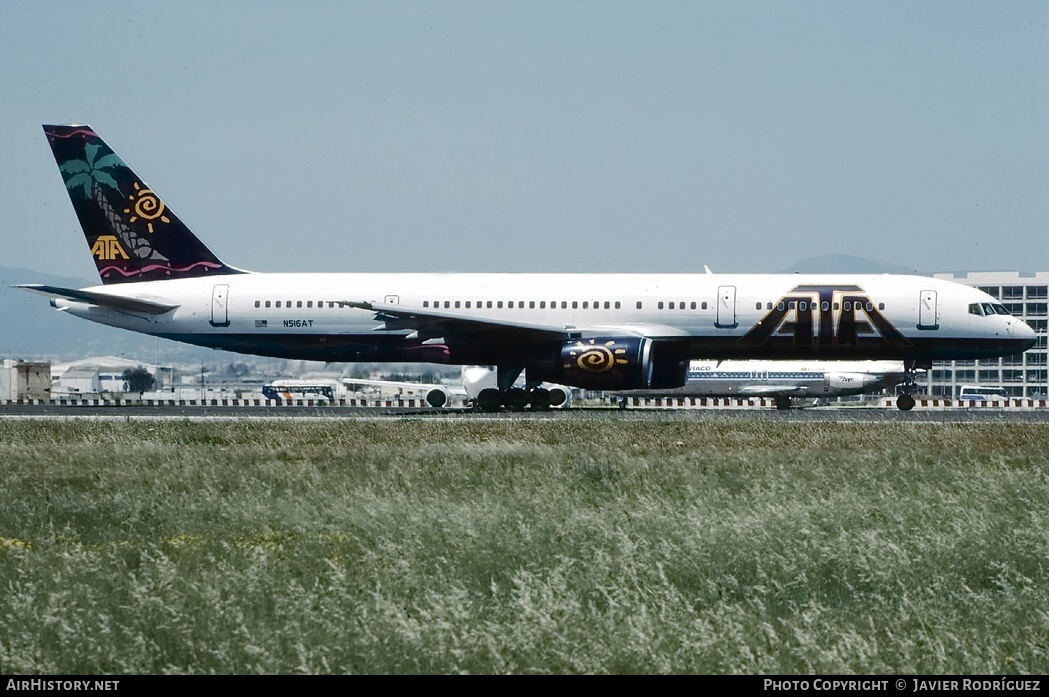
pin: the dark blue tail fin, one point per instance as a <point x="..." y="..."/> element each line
<point x="131" y="233"/>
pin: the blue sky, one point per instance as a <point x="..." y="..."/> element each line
<point x="543" y="136"/>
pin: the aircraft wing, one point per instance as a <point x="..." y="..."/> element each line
<point x="113" y="302"/>
<point x="431" y="323"/>
<point x="403" y="385"/>
<point x="773" y="391"/>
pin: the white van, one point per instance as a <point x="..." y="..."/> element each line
<point x="981" y="393"/>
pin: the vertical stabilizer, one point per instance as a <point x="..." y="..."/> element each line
<point x="132" y="234"/>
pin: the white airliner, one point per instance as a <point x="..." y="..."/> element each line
<point x="480" y="385"/>
<point x="783" y="380"/>
<point x="596" y="331"/>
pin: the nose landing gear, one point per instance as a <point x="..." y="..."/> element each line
<point x="905" y="402"/>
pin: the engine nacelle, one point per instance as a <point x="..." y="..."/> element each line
<point x="847" y="382"/>
<point x="560" y="396"/>
<point x="615" y="363"/>
<point x="437" y="397"/>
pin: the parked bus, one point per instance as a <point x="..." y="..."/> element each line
<point x="981" y="393"/>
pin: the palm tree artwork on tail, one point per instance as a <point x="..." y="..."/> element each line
<point x="92" y="174"/>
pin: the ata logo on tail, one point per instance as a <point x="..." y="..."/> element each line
<point x="107" y="248"/>
<point x="825" y="316"/>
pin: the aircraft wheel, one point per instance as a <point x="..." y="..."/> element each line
<point x="782" y="403"/>
<point x="488" y="399"/>
<point x="516" y="398"/>
<point x="540" y="399"/>
<point x="905" y="402"/>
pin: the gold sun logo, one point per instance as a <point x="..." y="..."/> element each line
<point x="594" y="358"/>
<point x="146" y="205"/>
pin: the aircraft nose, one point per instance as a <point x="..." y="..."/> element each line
<point x="1021" y="331"/>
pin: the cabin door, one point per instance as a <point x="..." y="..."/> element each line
<point x="726" y="307"/>
<point x="927" y="310"/>
<point x="219" y="306"/>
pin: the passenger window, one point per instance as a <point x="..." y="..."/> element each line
<point x="704" y="305"/>
<point x="531" y="304"/>
<point x="825" y="306"/>
<point x="870" y="307"/>
<point x="278" y="303"/>
<point x="660" y="305"/>
<point x="757" y="306"/>
<point x="639" y="304"/>
<point x="575" y="304"/>
<point x="881" y="306"/>
<point x="467" y="304"/>
<point x="309" y="303"/>
<point x="606" y="304"/>
<point x="257" y="303"/>
<point x="584" y="304"/>
<point x="447" y="304"/>
<point x="542" y="304"/>
<point x="499" y="304"/>
<point x="847" y="307"/>
<point x="298" y="303"/>
<point x="456" y="304"/>
<point x="617" y="304"/>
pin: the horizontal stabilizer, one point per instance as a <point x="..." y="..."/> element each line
<point x="113" y="302"/>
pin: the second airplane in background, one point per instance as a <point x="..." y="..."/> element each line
<point x="784" y="380"/>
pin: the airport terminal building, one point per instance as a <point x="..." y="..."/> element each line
<point x="1025" y="375"/>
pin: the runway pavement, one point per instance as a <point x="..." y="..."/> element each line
<point x="583" y="414"/>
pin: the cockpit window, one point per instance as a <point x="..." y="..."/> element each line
<point x="988" y="309"/>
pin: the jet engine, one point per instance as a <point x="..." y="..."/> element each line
<point x="437" y="397"/>
<point x="615" y="363"/>
<point x="847" y="382"/>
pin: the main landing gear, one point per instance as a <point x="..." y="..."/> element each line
<point x="905" y="400"/>
<point x="514" y="399"/>
<point x="507" y="396"/>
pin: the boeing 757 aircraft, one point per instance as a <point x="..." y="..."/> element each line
<point x="595" y="331"/>
<point x="783" y="380"/>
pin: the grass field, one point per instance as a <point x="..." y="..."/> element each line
<point x="671" y="544"/>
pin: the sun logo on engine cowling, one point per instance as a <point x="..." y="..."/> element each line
<point x="146" y="205"/>
<point x="594" y="358"/>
